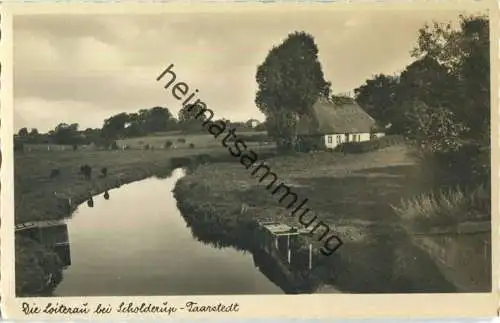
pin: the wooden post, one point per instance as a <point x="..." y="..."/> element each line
<point x="486" y="255"/>
<point x="310" y="256"/>
<point x="288" y="247"/>
<point x="276" y="242"/>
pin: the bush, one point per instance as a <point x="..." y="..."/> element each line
<point x="181" y="140"/>
<point x="191" y="145"/>
<point x="371" y="145"/>
<point x="35" y="263"/>
<point x="469" y="165"/>
<point x="309" y="144"/>
<point x="168" y="144"/>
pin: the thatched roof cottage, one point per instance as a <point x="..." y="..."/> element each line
<point x="333" y="123"/>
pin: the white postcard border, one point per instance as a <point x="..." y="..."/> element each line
<point x="288" y="306"/>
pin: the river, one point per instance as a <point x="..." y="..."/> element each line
<point x="137" y="243"/>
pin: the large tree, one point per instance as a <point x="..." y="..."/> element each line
<point x="143" y="122"/>
<point x="65" y="134"/>
<point x="452" y="120"/>
<point x="289" y="81"/>
<point x="377" y="97"/>
<point x="464" y="53"/>
<point x="190" y="119"/>
<point x="114" y="126"/>
<point x="154" y="119"/>
<point x="424" y="81"/>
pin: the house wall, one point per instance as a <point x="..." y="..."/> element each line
<point x="333" y="140"/>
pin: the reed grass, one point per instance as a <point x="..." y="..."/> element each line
<point x="450" y="206"/>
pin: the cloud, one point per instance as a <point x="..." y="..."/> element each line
<point x="83" y="68"/>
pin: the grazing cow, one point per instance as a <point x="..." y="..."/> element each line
<point x="54" y="173"/>
<point x="86" y="170"/>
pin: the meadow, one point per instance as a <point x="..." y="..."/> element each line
<point x="34" y="188"/>
<point x="158" y="140"/>
<point x="180" y="140"/>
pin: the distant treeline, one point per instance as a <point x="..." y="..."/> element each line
<point x="145" y="122"/>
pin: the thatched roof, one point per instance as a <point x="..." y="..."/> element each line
<point x="328" y="118"/>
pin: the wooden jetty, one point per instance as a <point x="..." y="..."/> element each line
<point x="52" y="233"/>
<point x="274" y="232"/>
<point x="38" y="224"/>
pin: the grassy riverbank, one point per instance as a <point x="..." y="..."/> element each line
<point x="35" y="199"/>
<point x="354" y="194"/>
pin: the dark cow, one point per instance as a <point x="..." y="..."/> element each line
<point x="86" y="171"/>
<point x="54" y="173"/>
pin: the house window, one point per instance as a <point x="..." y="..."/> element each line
<point x="338" y="139"/>
<point x="329" y="139"/>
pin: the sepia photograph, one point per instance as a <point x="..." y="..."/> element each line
<point x="260" y="152"/>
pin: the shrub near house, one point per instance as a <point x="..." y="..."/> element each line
<point x="371" y="145"/>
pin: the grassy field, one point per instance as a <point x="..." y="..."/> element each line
<point x="34" y="189"/>
<point x="354" y="194"/>
<point x="179" y="140"/>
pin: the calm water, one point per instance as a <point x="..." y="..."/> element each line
<point x="137" y="243"/>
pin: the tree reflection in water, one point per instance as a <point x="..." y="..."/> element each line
<point x="90" y="202"/>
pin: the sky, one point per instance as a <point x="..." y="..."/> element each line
<point x="85" y="68"/>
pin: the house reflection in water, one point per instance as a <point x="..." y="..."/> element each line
<point x="53" y="234"/>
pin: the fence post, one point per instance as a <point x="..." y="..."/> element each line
<point x="310" y="256"/>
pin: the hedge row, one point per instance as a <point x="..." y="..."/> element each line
<point x="371" y="145"/>
<point x="252" y="138"/>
